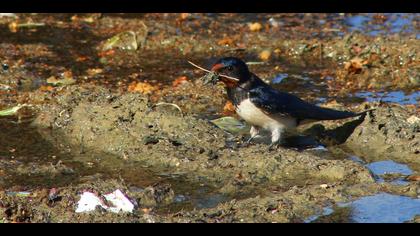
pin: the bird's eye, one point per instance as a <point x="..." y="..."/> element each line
<point x="230" y="68"/>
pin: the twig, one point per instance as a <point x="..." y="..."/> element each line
<point x="222" y="75"/>
<point x="5" y="87"/>
<point x="30" y="25"/>
<point x="13" y="110"/>
<point x="255" y="63"/>
<point x="170" y="104"/>
<point x="199" y="67"/>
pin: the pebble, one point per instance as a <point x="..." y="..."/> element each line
<point x="324" y="186"/>
<point x="5" y="66"/>
<point x="413" y="119"/>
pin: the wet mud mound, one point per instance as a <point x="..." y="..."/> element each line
<point x="390" y="132"/>
<point x="128" y="125"/>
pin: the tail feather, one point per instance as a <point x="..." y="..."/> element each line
<point x="364" y="112"/>
<point x="322" y="113"/>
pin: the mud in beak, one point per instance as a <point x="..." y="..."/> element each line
<point x="210" y="78"/>
<point x="213" y="77"/>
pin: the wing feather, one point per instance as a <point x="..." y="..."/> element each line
<point x="273" y="101"/>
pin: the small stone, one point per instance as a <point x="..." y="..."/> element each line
<point x="53" y="195"/>
<point x="324" y="186"/>
<point x="415" y="80"/>
<point x="413" y="119"/>
<point x="212" y="155"/>
<point x="150" y="140"/>
<point x="5" y="66"/>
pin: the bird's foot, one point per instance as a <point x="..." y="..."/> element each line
<point x="273" y="146"/>
<point x="247" y="142"/>
<point x="276" y="139"/>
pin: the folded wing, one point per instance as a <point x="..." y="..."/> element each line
<point x="272" y="101"/>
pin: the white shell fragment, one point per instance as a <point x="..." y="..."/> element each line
<point x="324" y="186"/>
<point x="119" y="201"/>
<point x="89" y="201"/>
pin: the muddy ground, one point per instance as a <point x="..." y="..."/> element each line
<point x="110" y="121"/>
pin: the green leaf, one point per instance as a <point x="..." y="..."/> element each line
<point x="230" y="125"/>
<point x="12" y="110"/>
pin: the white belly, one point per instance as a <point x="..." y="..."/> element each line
<point x="254" y="116"/>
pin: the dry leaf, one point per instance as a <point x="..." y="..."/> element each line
<point x="146" y="210"/>
<point x="94" y="71"/>
<point x="265" y="55"/>
<point x="46" y="88"/>
<point x="179" y="81"/>
<point x="225" y="41"/>
<point x="356" y="49"/>
<point x="355" y="65"/>
<point x="89" y="19"/>
<point x="229" y="108"/>
<point x="255" y="26"/>
<point x="81" y="58"/>
<point x="13" y="27"/>
<point x="184" y="16"/>
<point x="142" y="87"/>
<point x="413" y="178"/>
<point x="67" y="74"/>
<point x="67" y="79"/>
<point x="106" y="53"/>
<point x="239" y="176"/>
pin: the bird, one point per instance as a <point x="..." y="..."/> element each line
<point x="264" y="107"/>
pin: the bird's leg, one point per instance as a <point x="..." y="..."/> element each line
<point x="254" y="133"/>
<point x="275" y="138"/>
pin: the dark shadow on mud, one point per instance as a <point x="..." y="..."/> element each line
<point x="315" y="136"/>
<point x="300" y="142"/>
<point x="336" y="136"/>
<point x="318" y="135"/>
<point x="33" y="158"/>
<point x="29" y="160"/>
<point x="66" y="46"/>
<point x="339" y="215"/>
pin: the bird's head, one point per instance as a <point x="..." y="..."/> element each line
<point x="233" y="67"/>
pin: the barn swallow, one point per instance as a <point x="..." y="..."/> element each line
<point x="264" y="107"/>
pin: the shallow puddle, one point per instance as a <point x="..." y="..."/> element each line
<point x="379" y="208"/>
<point x="383" y="171"/>
<point x="386" y="171"/>
<point x="390" y="23"/>
<point x="390" y="171"/>
<point x="388" y="167"/>
<point x="400" y="97"/>
<point x="315" y="90"/>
